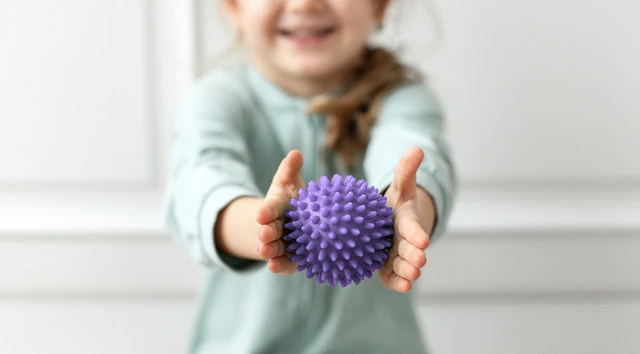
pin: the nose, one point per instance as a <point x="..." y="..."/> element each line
<point x="307" y="5"/>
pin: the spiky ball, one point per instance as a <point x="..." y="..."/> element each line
<point x="340" y="230"/>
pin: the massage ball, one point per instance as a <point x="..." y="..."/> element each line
<point x="339" y="230"/>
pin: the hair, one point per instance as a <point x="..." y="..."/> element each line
<point x="351" y="116"/>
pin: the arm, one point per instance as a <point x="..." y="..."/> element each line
<point x="236" y="231"/>
<point x="212" y="195"/>
<point x="409" y="159"/>
<point x="410" y="117"/>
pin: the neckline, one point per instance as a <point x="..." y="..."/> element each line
<point x="275" y="96"/>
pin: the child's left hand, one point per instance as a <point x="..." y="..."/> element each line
<point x="406" y="256"/>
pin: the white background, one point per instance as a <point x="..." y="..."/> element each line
<point x="541" y="100"/>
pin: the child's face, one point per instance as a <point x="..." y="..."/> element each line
<point x="306" y="39"/>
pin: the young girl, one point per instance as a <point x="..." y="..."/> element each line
<point x="312" y="89"/>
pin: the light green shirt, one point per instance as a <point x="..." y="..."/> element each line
<point x="233" y="131"/>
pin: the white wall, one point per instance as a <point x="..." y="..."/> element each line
<point x="543" y="251"/>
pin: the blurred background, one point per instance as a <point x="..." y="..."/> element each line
<point x="543" y="252"/>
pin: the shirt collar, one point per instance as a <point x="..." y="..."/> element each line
<point x="271" y="95"/>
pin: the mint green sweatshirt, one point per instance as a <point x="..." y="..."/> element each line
<point x="233" y="131"/>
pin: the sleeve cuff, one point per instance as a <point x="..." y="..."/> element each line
<point x="211" y="206"/>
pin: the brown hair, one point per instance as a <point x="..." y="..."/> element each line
<point x="351" y="116"/>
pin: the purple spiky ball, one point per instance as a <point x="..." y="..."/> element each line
<point x="339" y="230"/>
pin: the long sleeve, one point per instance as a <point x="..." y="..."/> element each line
<point x="411" y="116"/>
<point x="210" y="167"/>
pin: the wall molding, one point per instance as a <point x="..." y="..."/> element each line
<point x="547" y="183"/>
<point x="508" y="211"/>
<point x="470" y="299"/>
<point x="529" y="297"/>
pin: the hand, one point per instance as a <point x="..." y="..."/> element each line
<point x="406" y="256"/>
<point x="285" y="185"/>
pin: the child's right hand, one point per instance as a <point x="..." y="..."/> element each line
<point x="285" y="185"/>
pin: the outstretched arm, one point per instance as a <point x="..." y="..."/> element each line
<point x="212" y="194"/>
<point x="409" y="156"/>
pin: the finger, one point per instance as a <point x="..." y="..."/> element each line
<point x="387" y="265"/>
<point x="410" y="229"/>
<point x="398" y="283"/>
<point x="404" y="178"/>
<point x="271" y="231"/>
<point x="404" y="269"/>
<point x="289" y="170"/>
<point x="411" y="253"/>
<point x="273" y="208"/>
<point x="271" y="250"/>
<point x="282" y="265"/>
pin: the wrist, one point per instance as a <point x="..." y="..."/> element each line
<point x="236" y="230"/>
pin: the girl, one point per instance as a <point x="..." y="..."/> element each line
<point x="312" y="88"/>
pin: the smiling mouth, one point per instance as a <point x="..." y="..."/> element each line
<point x="302" y="34"/>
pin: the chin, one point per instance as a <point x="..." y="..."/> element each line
<point x="310" y="70"/>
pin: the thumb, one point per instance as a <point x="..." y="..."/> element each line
<point x="284" y="185"/>
<point x="404" y="177"/>
<point x="289" y="170"/>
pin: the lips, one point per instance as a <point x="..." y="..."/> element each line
<point x="306" y="32"/>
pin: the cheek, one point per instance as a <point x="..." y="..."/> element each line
<point x="356" y="33"/>
<point x="255" y="34"/>
<point x="258" y="24"/>
<point x="357" y="12"/>
<point x="355" y="26"/>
